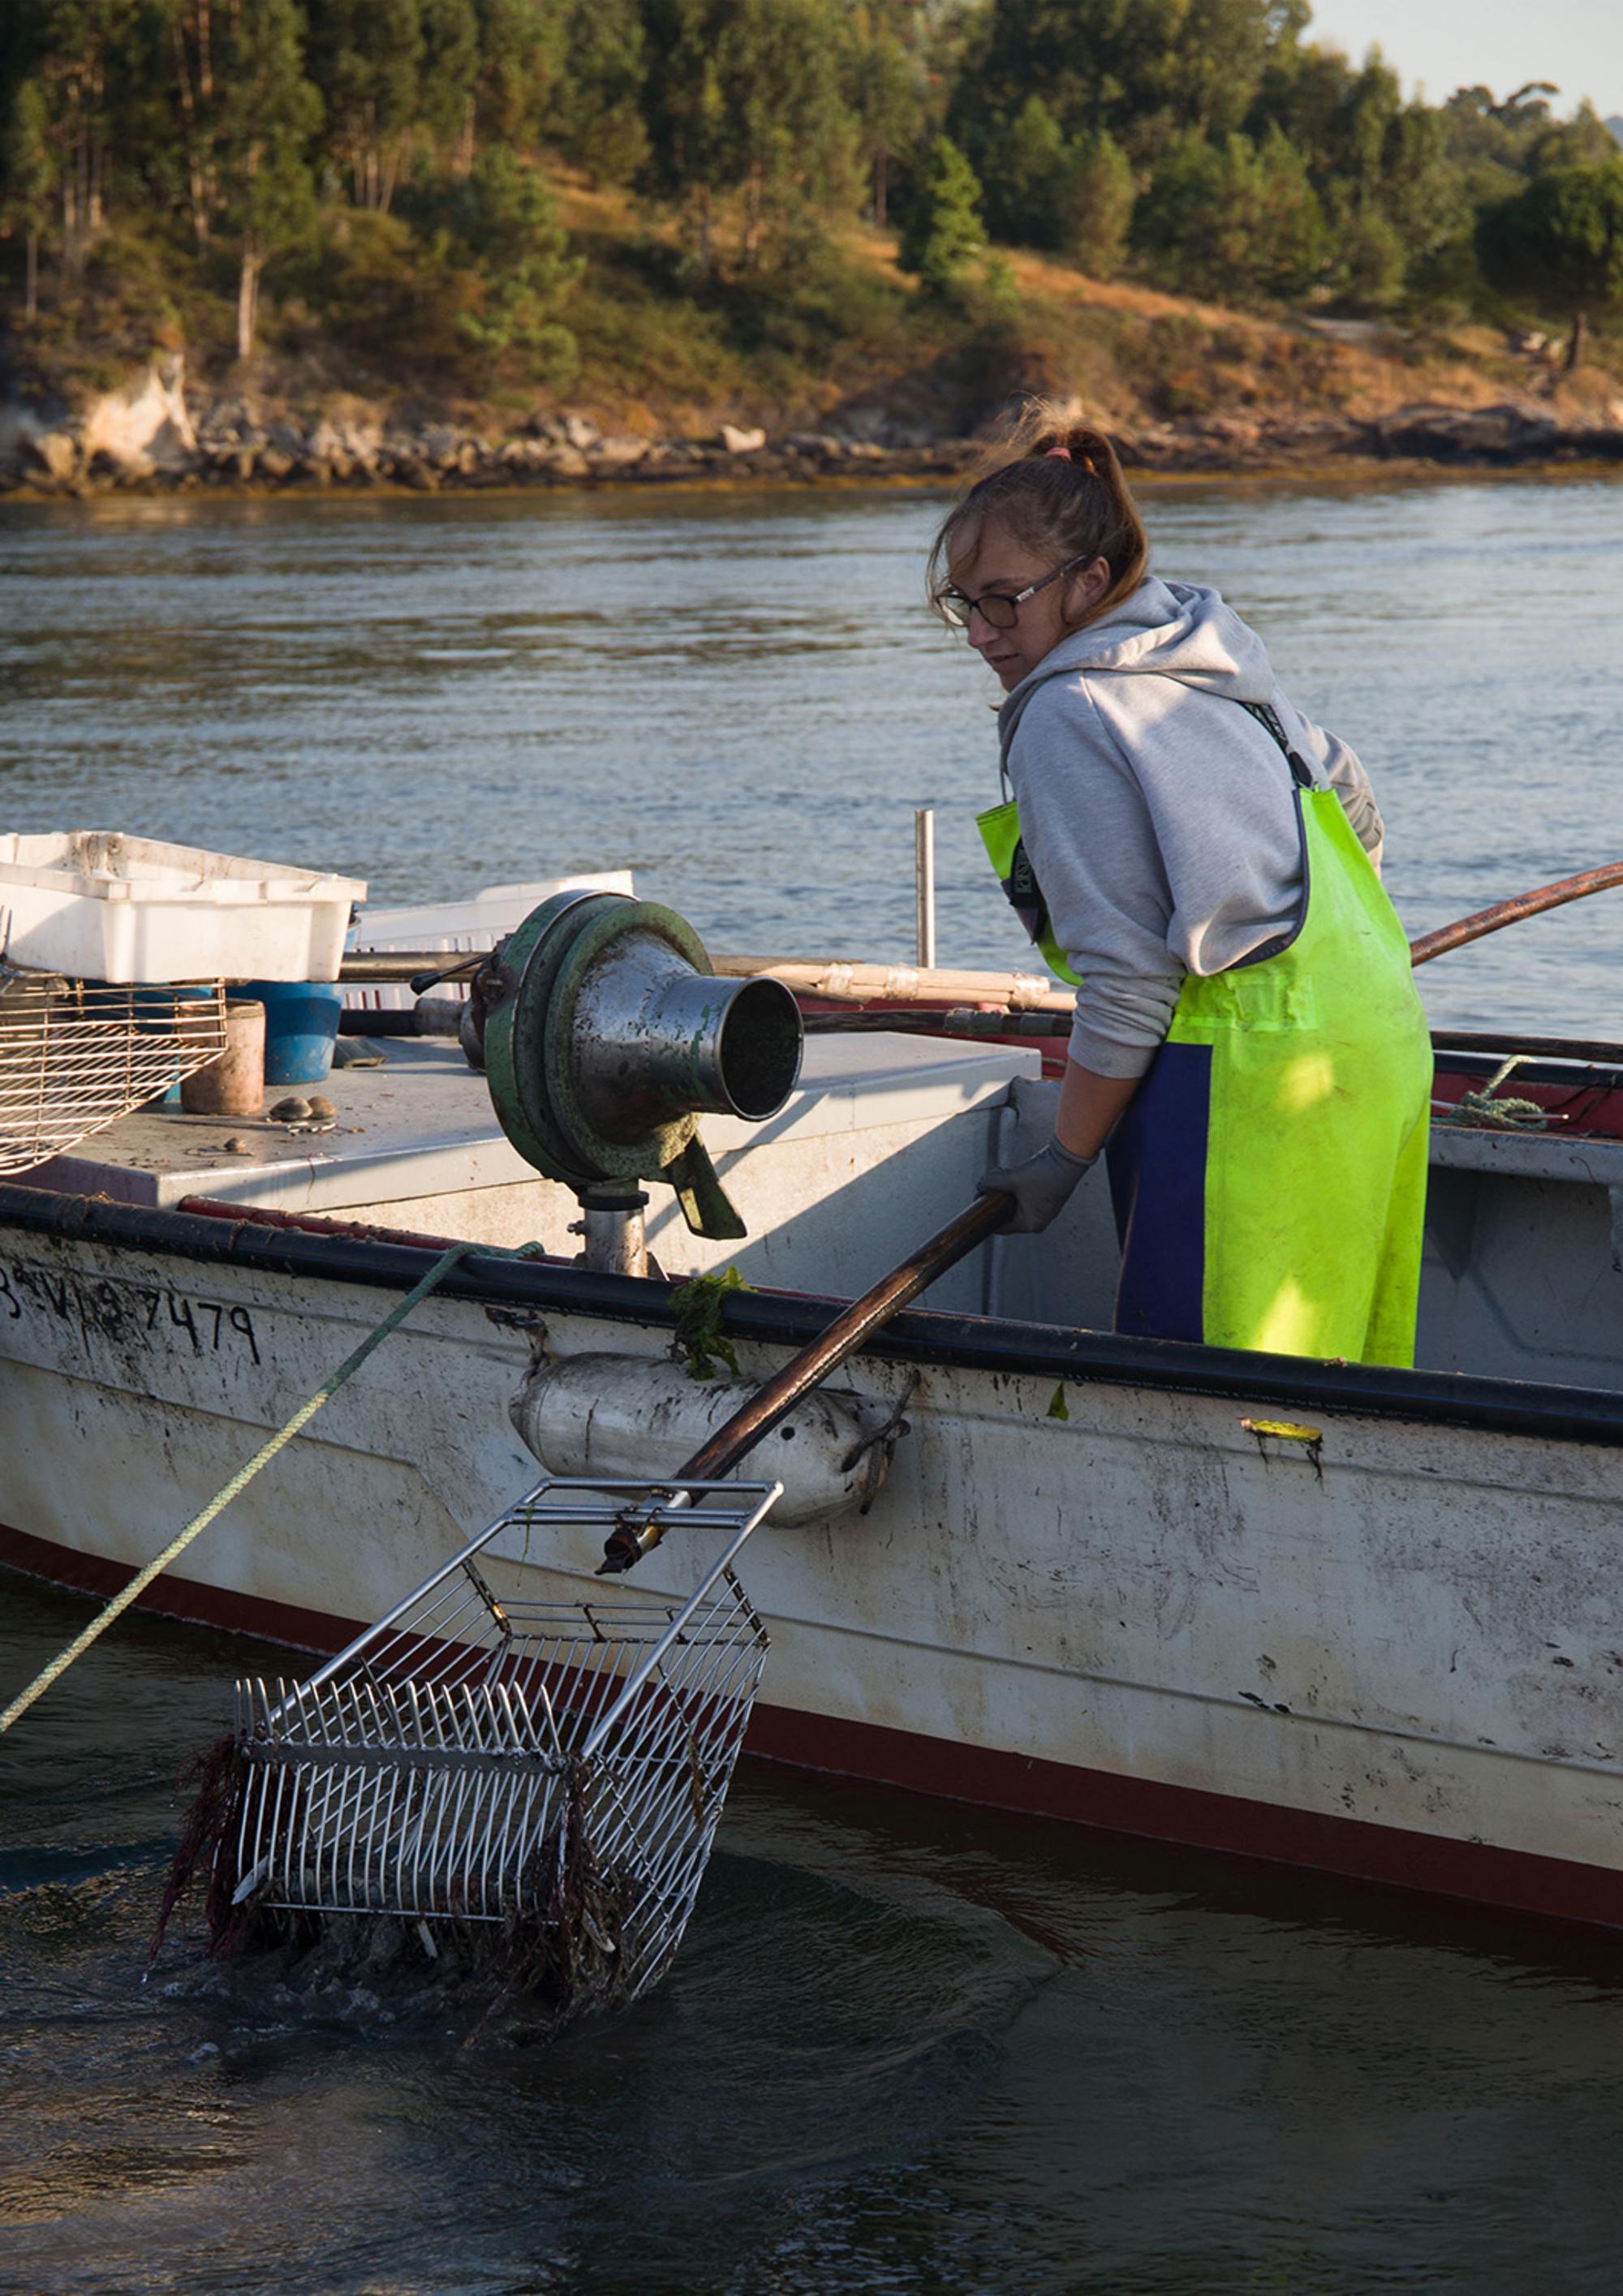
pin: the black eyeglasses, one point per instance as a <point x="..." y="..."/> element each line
<point x="1001" y="611"/>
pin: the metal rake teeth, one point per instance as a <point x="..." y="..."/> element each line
<point x="547" y="1775"/>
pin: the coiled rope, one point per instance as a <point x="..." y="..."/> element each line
<point x="245" y="1475"/>
<point x="1485" y="1110"/>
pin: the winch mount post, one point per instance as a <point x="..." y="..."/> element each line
<point x="611" y="1221"/>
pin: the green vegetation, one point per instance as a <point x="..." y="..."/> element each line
<point x="699" y="1339"/>
<point x="943" y="228"/>
<point x="1559" y="244"/>
<point x="671" y="203"/>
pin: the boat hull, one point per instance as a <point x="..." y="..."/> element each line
<point x="1390" y="1652"/>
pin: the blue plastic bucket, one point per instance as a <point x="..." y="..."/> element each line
<point x="153" y="1011"/>
<point x="301" y="1027"/>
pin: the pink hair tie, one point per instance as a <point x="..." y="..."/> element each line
<point x="1062" y="453"/>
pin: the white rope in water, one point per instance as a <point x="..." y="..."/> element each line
<point x="245" y="1475"/>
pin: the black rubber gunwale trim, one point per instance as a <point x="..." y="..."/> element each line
<point x="1551" y="1413"/>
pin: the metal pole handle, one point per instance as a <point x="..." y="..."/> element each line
<point x="924" y="886"/>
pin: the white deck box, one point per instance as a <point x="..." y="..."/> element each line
<point x="478" y="922"/>
<point x="100" y="906"/>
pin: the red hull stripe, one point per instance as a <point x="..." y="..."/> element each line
<point x="1552" y="1887"/>
<point x="179" y="1598"/>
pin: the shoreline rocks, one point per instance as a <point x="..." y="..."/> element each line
<point x="144" y="438"/>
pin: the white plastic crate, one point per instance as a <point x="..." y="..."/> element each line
<point x="476" y="923"/>
<point x="100" y="906"/>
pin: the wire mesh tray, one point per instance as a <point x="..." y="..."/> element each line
<point x="481" y="1756"/>
<point x="76" y="1055"/>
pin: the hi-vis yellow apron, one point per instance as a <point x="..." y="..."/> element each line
<point x="1269" y="1178"/>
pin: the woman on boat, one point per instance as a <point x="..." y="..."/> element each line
<point x="1202" y="862"/>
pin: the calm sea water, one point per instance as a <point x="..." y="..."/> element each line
<point x="741" y="695"/>
<point x="906" y="2048"/>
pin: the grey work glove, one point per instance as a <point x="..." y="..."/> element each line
<point x="1041" y="1186"/>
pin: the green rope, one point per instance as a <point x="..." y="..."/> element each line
<point x="1485" y="1112"/>
<point x="245" y="1475"/>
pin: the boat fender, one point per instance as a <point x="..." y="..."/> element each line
<point x="640" y="1417"/>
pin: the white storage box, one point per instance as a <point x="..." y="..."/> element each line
<point x="99" y="905"/>
<point x="478" y="922"/>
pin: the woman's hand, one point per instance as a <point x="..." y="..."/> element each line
<point x="1041" y="1186"/>
<point x="1090" y="1107"/>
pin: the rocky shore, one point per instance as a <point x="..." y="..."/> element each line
<point x="150" y="438"/>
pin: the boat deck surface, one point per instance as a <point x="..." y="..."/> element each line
<point x="421" y="1124"/>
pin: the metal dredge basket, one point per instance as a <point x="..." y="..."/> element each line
<point x="480" y="1756"/>
<point x="76" y="1055"/>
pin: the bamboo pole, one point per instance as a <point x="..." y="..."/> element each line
<point x="839" y="981"/>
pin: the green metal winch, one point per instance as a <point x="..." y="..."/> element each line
<point x="606" y="1036"/>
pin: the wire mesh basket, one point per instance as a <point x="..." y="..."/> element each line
<point x="483" y="1757"/>
<point x="76" y="1055"/>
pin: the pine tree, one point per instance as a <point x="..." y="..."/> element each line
<point x="691" y="155"/>
<point x="522" y="48"/>
<point x="790" y="137"/>
<point x="1098" y="204"/>
<point x="449" y="68"/>
<point x="1560" y="243"/>
<point x="1026" y="177"/>
<point x="507" y="224"/>
<point x="78" y="51"/>
<point x="943" y="228"/>
<point x="1235" y="219"/>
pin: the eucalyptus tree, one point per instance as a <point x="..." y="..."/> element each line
<point x="886" y="77"/>
<point x="269" y="117"/>
<point x="366" y="58"/>
<point x="597" y="110"/>
<point x="746" y="110"/>
<point x="71" y="54"/>
<point x="29" y="169"/>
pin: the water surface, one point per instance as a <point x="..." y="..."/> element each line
<point x="741" y="695"/>
<point x="906" y="2048"/>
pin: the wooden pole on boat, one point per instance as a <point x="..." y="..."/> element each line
<point x="835" y="980"/>
<point x="1511" y="913"/>
<point x="849" y="1331"/>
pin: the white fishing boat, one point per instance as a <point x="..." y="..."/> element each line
<point x="1358" y="1619"/>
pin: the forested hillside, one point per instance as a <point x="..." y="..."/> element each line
<point x="768" y="207"/>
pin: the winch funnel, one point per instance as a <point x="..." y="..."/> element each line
<point x="605" y="1037"/>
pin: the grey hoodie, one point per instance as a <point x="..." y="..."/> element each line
<point x="1158" y="816"/>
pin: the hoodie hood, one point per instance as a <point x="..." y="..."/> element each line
<point x="1172" y="629"/>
